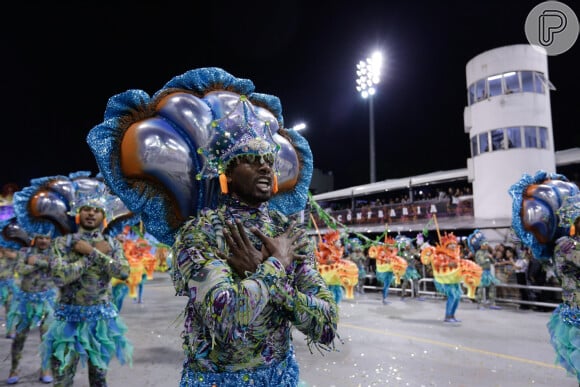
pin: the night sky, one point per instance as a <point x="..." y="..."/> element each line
<point x="62" y="63"/>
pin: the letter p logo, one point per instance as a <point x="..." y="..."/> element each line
<point x="552" y="26"/>
<point x="551" y="22"/>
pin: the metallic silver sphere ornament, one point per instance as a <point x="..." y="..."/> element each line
<point x="539" y="207"/>
<point x="49" y="205"/>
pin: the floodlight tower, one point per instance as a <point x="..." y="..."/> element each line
<point x="368" y="74"/>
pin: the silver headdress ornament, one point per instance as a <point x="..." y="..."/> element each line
<point x="243" y="130"/>
<point x="12" y="235"/>
<point x="162" y="154"/>
<point x="542" y="209"/>
<point x="475" y="240"/>
<point x="403" y="241"/>
<point x="49" y="205"/>
<point x="90" y="193"/>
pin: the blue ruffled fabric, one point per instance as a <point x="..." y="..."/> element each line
<point x="385" y="277"/>
<point x="411" y="273"/>
<point x="120" y="291"/>
<point x="96" y="333"/>
<point x="450" y="290"/>
<point x="487" y="279"/>
<point x="28" y="310"/>
<point x="281" y="374"/>
<point x="337" y="291"/>
<point x="6" y="289"/>
<point x="564" y="328"/>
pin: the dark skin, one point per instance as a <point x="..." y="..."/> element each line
<point x="251" y="182"/>
<point x="90" y="219"/>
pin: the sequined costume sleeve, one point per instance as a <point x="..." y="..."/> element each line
<point x="312" y="306"/>
<point x="35" y="277"/>
<point x="7" y="266"/>
<point x="23" y="268"/>
<point x="81" y="278"/>
<point x="245" y="322"/>
<point x="567" y="260"/>
<point x="485" y="260"/>
<point x="67" y="266"/>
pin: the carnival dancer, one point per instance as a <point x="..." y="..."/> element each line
<point x="248" y="270"/>
<point x="486" y="292"/>
<point x="8" y="260"/>
<point x="328" y="254"/>
<point x="389" y="266"/>
<point x="552" y="231"/>
<point x="13" y="237"/>
<point x="148" y="263"/>
<point x="359" y="258"/>
<point x="138" y="274"/>
<point x="449" y="270"/>
<point x="33" y="301"/>
<point x="86" y="326"/>
<point x="119" y="287"/>
<point x="411" y="277"/>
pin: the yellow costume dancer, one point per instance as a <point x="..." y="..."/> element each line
<point x="389" y="265"/>
<point x="335" y="270"/>
<point x="449" y="270"/>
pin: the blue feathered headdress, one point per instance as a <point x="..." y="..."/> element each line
<point x="537" y="202"/>
<point x="161" y="154"/>
<point x="49" y="205"/>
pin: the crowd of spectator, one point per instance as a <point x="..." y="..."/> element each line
<point x="513" y="265"/>
<point x="451" y="194"/>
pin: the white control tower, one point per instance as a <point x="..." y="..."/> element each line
<point x="509" y="122"/>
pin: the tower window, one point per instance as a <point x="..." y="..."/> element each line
<point x="474" y="149"/>
<point x="497" y="139"/>
<point x="512" y="82"/>
<point x="483" y="142"/>
<point x="531" y="136"/>
<point x="543" y="132"/>
<point x="514" y="137"/>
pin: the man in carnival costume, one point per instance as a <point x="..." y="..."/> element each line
<point x="390" y="267"/>
<point x="546" y="218"/>
<point x="481" y="249"/>
<point x="33" y="300"/>
<point x="411" y="276"/>
<point x="247" y="268"/>
<point x="358" y="257"/>
<point x="446" y="262"/>
<point x="329" y="253"/>
<point x="86" y="324"/>
<point x="7" y="270"/>
<point x="12" y="238"/>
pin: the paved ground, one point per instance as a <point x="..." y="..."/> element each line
<point x="401" y="344"/>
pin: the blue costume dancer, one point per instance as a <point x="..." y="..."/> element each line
<point x="33" y="302"/>
<point x="446" y="264"/>
<point x="479" y="245"/>
<point x="248" y="271"/>
<point x="546" y="217"/>
<point x="85" y="326"/>
<point x="411" y="276"/>
<point x="8" y="260"/>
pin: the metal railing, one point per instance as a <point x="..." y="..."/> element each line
<point x="434" y="294"/>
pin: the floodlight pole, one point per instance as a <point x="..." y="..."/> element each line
<point x="373" y="170"/>
<point x="368" y="73"/>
